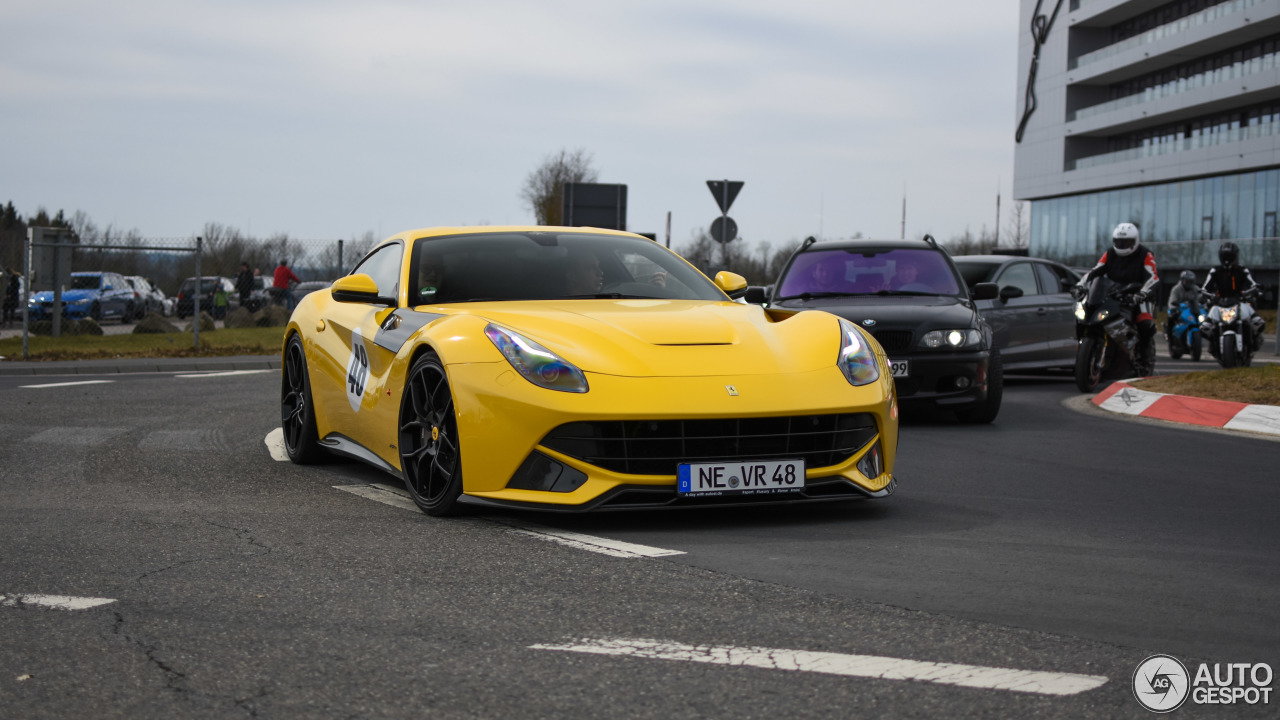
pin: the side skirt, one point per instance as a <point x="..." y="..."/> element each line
<point x="343" y="445"/>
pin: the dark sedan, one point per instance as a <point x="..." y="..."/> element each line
<point x="1033" y="317"/>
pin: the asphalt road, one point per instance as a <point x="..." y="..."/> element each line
<point x="1055" y="540"/>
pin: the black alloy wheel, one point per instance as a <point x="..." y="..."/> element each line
<point x="297" y="413"/>
<point x="429" y="451"/>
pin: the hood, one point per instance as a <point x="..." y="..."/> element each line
<point x="920" y="313"/>
<point x="68" y="296"/>
<point x="672" y="338"/>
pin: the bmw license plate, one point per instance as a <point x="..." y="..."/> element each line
<point x="899" y="368"/>
<point x="748" y="477"/>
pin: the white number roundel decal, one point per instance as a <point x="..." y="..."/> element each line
<point x="357" y="370"/>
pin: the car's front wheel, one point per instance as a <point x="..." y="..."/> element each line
<point x="297" y="412"/>
<point x="429" y="452"/>
<point x="986" y="411"/>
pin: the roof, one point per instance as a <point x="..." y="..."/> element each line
<point x="869" y="243"/>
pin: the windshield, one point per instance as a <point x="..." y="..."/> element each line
<point x="550" y="265"/>
<point x="85" y="282"/>
<point x="207" y="285"/>
<point x="905" y="271"/>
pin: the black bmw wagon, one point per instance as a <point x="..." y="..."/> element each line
<point x="910" y="297"/>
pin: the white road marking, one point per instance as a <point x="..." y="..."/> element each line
<point x="225" y="373"/>
<point x="69" y="384"/>
<point x="378" y="494"/>
<point x="863" y="666"/>
<point x="398" y="497"/>
<point x="604" y="546"/>
<point x="53" y="602"/>
<point x="275" y="445"/>
<point x="1130" y="401"/>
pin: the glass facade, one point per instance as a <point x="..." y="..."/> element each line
<point x="1180" y="221"/>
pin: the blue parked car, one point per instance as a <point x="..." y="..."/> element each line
<point x="97" y="295"/>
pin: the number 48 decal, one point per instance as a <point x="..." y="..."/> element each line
<point x="357" y="370"/>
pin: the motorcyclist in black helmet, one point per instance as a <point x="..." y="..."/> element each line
<point x="1129" y="261"/>
<point x="1186" y="291"/>
<point x="1229" y="279"/>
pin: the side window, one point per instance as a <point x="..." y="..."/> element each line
<point x="1019" y="275"/>
<point x="384" y="267"/>
<point x="1049" y="282"/>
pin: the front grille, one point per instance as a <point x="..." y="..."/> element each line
<point x="893" y="340"/>
<point x="656" y="447"/>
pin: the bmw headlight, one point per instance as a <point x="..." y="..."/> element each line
<point x="81" y="301"/>
<point x="1229" y="314"/>
<point x="1080" y="312"/>
<point x="951" y="339"/>
<point x="537" y="364"/>
<point x="857" y="360"/>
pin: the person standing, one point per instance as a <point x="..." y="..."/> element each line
<point x="12" y="288"/>
<point x="281" y="291"/>
<point x="244" y="286"/>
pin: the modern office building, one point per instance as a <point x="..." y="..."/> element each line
<point x="1165" y="114"/>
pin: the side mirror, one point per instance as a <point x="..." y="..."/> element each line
<point x="1009" y="292"/>
<point x="756" y="295"/>
<point x="359" y="289"/>
<point x="733" y="284"/>
<point x="985" y="291"/>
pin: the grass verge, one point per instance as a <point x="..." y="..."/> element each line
<point x="218" y="343"/>
<point x="1253" y="385"/>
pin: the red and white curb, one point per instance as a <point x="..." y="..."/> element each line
<point x="1123" y="398"/>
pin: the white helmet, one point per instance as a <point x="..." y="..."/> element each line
<point x="1125" y="238"/>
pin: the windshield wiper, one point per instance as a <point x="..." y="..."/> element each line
<point x="904" y="292"/>
<point x="811" y="295"/>
<point x="606" y="296"/>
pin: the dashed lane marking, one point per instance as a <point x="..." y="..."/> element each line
<point x="398" y="497"/>
<point x="225" y="373"/>
<point x="380" y="493"/>
<point x="68" y="384"/>
<point x="53" y="602"/>
<point x="862" y="666"/>
<point x="275" y="445"/>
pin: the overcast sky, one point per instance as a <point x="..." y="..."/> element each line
<point x="330" y="119"/>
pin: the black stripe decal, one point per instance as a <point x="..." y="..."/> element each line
<point x="400" y="326"/>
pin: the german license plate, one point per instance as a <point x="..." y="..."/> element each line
<point x="748" y="477"/>
<point x="899" y="368"/>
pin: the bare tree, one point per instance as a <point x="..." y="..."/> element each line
<point x="1018" y="228"/>
<point x="544" y="187"/>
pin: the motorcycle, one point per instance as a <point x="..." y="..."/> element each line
<point x="1232" y="331"/>
<point x="1107" y="330"/>
<point x="1184" y="337"/>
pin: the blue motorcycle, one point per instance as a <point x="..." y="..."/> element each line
<point x="1184" y="335"/>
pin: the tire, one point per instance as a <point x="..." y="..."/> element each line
<point x="1229" y="355"/>
<point x="1089" y="365"/>
<point x="990" y="408"/>
<point x="1175" y="351"/>
<point x="429" y="452"/>
<point x="297" y="411"/>
<point x="1195" y="347"/>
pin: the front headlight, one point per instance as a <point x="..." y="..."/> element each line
<point x="856" y="360"/>
<point x="81" y="301"/>
<point x="1229" y="314"/>
<point x="1080" y="312"/>
<point x="535" y="363"/>
<point x="951" y="339"/>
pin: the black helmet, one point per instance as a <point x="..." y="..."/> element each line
<point x="1228" y="254"/>
<point x="1188" y="279"/>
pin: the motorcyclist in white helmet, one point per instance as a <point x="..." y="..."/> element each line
<point x="1129" y="261"/>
